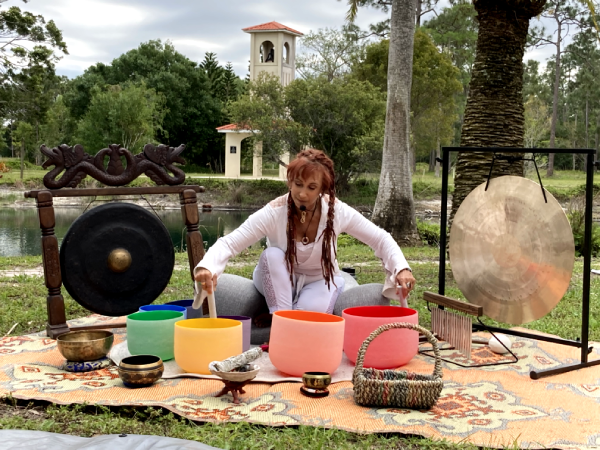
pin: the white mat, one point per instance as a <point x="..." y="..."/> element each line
<point x="268" y="373"/>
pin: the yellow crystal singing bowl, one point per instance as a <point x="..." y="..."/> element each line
<point x="198" y="342"/>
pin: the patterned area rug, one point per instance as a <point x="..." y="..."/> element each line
<point x="491" y="406"/>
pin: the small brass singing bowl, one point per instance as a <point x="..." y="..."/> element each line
<point x="316" y="380"/>
<point x="84" y="345"/>
<point x="140" y="370"/>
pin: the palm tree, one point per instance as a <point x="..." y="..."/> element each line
<point x="494" y="115"/>
<point x="394" y="208"/>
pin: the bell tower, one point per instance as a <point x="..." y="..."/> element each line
<point x="273" y="50"/>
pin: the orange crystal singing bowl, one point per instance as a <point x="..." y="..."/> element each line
<point x="199" y="342"/>
<point x="392" y="348"/>
<point x="304" y="341"/>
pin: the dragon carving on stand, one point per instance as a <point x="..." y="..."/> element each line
<point x="73" y="164"/>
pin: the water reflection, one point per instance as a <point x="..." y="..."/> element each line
<point x="20" y="229"/>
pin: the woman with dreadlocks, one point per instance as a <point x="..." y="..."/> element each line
<point x="298" y="269"/>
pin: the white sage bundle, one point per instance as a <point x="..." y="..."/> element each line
<point x="234" y="362"/>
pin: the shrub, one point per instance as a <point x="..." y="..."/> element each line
<point x="345" y="240"/>
<point x="195" y="168"/>
<point x="576" y="216"/>
<point x="15" y="164"/>
<point x="429" y="233"/>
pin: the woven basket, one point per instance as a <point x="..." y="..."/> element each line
<point x="399" y="389"/>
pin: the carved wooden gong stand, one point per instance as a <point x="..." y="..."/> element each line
<point x="155" y="162"/>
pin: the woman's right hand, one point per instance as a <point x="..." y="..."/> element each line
<point x="206" y="279"/>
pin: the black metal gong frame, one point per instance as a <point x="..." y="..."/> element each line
<point x="581" y="342"/>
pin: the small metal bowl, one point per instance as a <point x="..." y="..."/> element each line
<point x="88" y="345"/>
<point x="316" y="380"/>
<point x="140" y="370"/>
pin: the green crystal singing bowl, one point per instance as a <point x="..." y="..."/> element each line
<point x="152" y="333"/>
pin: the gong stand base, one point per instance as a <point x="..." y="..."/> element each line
<point x="536" y="375"/>
<point x="587" y="254"/>
<point x="108" y="326"/>
<point x="57" y="323"/>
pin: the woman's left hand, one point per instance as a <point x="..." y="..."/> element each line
<point x="405" y="282"/>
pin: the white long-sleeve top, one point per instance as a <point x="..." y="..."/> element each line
<point x="271" y="222"/>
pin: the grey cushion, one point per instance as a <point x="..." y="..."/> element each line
<point x="237" y="296"/>
<point x="361" y="295"/>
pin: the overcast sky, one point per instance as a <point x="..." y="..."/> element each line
<point x="101" y="30"/>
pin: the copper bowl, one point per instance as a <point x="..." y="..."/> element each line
<point x="85" y="345"/>
<point x="316" y="380"/>
<point x="140" y="370"/>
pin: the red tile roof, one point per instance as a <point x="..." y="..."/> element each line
<point x="231" y="127"/>
<point x="272" y="26"/>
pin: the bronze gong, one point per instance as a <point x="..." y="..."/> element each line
<point x="511" y="252"/>
<point x="116" y="258"/>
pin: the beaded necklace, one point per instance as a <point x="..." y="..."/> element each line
<point x="305" y="239"/>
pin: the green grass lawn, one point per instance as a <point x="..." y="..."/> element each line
<point x="29" y="176"/>
<point x="22" y="300"/>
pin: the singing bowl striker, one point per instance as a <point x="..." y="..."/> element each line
<point x="316" y="380"/>
<point x="85" y="345"/>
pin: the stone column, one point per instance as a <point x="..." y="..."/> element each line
<point x="283" y="170"/>
<point x="257" y="160"/>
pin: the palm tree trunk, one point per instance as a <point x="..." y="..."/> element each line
<point x="394" y="208"/>
<point x="494" y="114"/>
<point x="550" y="169"/>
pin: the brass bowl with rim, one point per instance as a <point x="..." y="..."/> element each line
<point x="86" y="345"/>
<point x="316" y="380"/>
<point x="140" y="370"/>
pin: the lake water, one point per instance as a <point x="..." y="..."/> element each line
<point x="20" y="228"/>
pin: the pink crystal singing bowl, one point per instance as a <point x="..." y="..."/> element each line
<point x="389" y="350"/>
<point x="305" y="341"/>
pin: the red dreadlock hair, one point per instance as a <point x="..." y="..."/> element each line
<point x="305" y="164"/>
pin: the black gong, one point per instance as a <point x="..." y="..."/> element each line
<point x="116" y="258"/>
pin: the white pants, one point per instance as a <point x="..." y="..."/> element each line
<point x="272" y="279"/>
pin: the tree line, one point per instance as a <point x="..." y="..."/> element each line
<point x="457" y="79"/>
<point x="155" y="94"/>
<point x="149" y="94"/>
